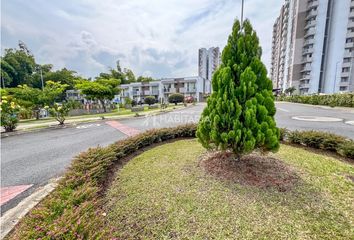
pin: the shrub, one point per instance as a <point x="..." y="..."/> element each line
<point x="347" y="149"/>
<point x="150" y="100"/>
<point x="9" y="113"/>
<point x="333" y="100"/>
<point x="60" y="111"/>
<point x="240" y="111"/>
<point x="176" y="98"/>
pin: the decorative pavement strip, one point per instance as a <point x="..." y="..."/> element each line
<point x="14" y="215"/>
<point x="8" y="193"/>
<point x="123" y="128"/>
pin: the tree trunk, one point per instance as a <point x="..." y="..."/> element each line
<point x="103" y="105"/>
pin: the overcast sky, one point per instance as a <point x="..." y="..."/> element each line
<point x="158" y="38"/>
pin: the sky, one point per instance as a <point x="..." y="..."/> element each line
<point x="157" y="38"/>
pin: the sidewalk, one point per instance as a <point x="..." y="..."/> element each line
<point x="23" y="127"/>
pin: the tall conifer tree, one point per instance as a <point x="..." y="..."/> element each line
<point x="240" y="112"/>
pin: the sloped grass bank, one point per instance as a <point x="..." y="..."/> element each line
<point x="165" y="194"/>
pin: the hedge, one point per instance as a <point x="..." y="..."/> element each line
<point x="333" y="100"/>
<point x="74" y="209"/>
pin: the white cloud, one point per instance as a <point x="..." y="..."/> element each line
<point x="157" y="37"/>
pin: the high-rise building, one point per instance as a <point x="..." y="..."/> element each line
<point x="313" y="46"/>
<point x="209" y="61"/>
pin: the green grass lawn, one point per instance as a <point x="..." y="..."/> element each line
<point x="165" y="194"/>
<point x="114" y="113"/>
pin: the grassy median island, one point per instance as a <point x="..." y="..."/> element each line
<point x="176" y="191"/>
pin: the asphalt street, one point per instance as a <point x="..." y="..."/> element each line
<point x="35" y="158"/>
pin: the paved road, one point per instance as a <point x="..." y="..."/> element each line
<point x="34" y="158"/>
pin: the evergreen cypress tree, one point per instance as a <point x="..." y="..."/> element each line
<point x="240" y="112"/>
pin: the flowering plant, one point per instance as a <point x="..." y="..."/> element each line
<point x="59" y="111"/>
<point x="9" y="113"/>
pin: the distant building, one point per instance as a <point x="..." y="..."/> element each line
<point x="208" y="62"/>
<point x="313" y="46"/>
<point x="162" y="89"/>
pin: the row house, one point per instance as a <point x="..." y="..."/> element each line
<point x="162" y="89"/>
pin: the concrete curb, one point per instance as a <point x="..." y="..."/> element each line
<point x="346" y="109"/>
<point x="14" y="215"/>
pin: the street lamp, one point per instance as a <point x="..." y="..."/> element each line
<point x="242" y="13"/>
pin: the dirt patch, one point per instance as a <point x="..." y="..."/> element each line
<point x="253" y="170"/>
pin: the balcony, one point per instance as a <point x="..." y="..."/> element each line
<point x="309" y="32"/>
<point x="352" y="4"/>
<point x="348" y="54"/>
<point x="351" y="14"/>
<point x="346" y="64"/>
<point x="306" y="69"/>
<point x="310" y="24"/>
<point x="345" y="74"/>
<point x="349" y="45"/>
<point x="306" y="59"/>
<point x="312" y="4"/>
<point x="351" y="24"/>
<point x="308" y="42"/>
<point x="307" y="51"/>
<point x="146" y="93"/>
<point x="350" y="34"/>
<point x="304" y="85"/>
<point x="155" y="92"/>
<point x="312" y="13"/>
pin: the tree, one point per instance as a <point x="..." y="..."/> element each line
<point x="240" y="111"/>
<point x="18" y="66"/>
<point x="129" y="76"/>
<point x="290" y="90"/>
<point x="145" y="79"/>
<point x="150" y="100"/>
<point x="34" y="98"/>
<point x="100" y="89"/>
<point x="9" y="113"/>
<point x="59" y="112"/>
<point x="176" y="98"/>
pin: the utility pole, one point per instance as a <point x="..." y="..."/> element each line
<point x="242" y="14"/>
<point x="42" y="79"/>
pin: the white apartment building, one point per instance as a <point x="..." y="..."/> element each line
<point x="208" y="62"/>
<point x="161" y="89"/>
<point x="313" y="46"/>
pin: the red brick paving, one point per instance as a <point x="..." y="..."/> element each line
<point x="8" y="193"/>
<point x="123" y="128"/>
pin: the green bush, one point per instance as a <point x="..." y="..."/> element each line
<point x="320" y="140"/>
<point x="239" y="116"/>
<point x="176" y="98"/>
<point x="347" y="149"/>
<point x="150" y="100"/>
<point x="9" y="113"/>
<point x="333" y="100"/>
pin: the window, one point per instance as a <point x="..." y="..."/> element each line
<point x="344" y="79"/>
<point x="349" y="40"/>
<point x="343" y="88"/>
<point x="346" y="60"/>
<point x="345" y="69"/>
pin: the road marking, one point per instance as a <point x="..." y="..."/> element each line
<point x="317" y="119"/>
<point x="88" y="125"/>
<point x="282" y="109"/>
<point x="350" y="122"/>
<point x="8" y="193"/>
<point x="123" y="128"/>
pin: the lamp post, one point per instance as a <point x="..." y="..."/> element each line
<point x="242" y="13"/>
